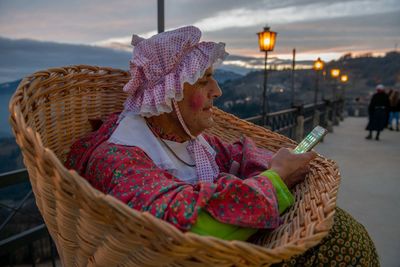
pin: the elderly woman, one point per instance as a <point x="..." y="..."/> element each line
<point x="154" y="156"/>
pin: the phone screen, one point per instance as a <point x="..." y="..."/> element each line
<point x="311" y="140"/>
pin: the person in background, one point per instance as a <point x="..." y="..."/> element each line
<point x="394" y="109"/>
<point x="378" y="112"/>
<point x="155" y="156"/>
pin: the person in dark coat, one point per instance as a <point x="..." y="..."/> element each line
<point x="378" y="111"/>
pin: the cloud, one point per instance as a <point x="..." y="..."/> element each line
<point x="312" y="26"/>
<point x="291" y="12"/>
<point x="183" y="12"/>
<point x="75" y="21"/>
<point x="330" y="38"/>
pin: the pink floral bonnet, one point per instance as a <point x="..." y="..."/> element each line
<point x="161" y="65"/>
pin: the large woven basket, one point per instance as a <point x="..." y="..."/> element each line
<point x="50" y="110"/>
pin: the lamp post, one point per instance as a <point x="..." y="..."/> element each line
<point x="334" y="74"/>
<point x="318" y="66"/>
<point x="293" y="73"/>
<point x="343" y="80"/>
<point x="160" y="15"/>
<point x="266" y="42"/>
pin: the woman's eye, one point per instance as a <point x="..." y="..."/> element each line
<point x="203" y="83"/>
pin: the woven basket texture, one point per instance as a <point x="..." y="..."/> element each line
<point x="51" y="109"/>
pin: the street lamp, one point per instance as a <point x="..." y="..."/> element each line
<point x="334" y="74"/>
<point x="266" y="42"/>
<point x="344" y="78"/>
<point x="318" y="66"/>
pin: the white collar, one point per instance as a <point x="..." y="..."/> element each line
<point x="133" y="131"/>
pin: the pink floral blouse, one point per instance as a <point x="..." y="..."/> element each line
<point x="239" y="196"/>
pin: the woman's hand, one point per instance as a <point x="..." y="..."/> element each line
<point x="291" y="167"/>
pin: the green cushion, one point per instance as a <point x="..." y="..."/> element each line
<point x="208" y="226"/>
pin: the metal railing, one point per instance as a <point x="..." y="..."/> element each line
<point x="293" y="122"/>
<point x="296" y="121"/>
<point x="27" y="237"/>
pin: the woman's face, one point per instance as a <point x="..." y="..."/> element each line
<point x="198" y="101"/>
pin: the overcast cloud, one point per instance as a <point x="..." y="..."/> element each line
<point x="314" y="28"/>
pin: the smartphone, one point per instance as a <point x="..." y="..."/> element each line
<point x="311" y="140"/>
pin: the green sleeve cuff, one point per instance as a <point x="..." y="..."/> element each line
<point x="208" y="226"/>
<point x="283" y="195"/>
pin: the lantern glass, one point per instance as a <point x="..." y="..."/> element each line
<point x="335" y="73"/>
<point x="344" y="78"/>
<point x="318" y="64"/>
<point x="266" y="40"/>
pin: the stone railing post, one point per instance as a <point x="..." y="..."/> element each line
<point x="334" y="119"/>
<point x="341" y="109"/>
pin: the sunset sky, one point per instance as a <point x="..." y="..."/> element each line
<point x="315" y="28"/>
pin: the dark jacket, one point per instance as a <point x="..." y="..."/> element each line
<point x="378" y="111"/>
<point x="397" y="107"/>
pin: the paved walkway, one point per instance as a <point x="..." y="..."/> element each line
<point x="370" y="185"/>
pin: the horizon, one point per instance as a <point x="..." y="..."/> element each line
<point x="300" y="56"/>
<point x="22" y="57"/>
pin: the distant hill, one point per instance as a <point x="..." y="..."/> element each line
<point x="372" y="70"/>
<point x="6" y="91"/>
<point x="8" y="88"/>
<point x="243" y="96"/>
<point x="23" y="57"/>
<point x="223" y="75"/>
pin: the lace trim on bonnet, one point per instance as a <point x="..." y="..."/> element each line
<point x="150" y="89"/>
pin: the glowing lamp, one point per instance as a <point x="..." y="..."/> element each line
<point x="266" y="40"/>
<point x="344" y="78"/>
<point x="335" y="73"/>
<point x="318" y="64"/>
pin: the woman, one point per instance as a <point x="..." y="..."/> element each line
<point x="154" y="157"/>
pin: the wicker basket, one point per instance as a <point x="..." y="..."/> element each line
<point x="50" y="110"/>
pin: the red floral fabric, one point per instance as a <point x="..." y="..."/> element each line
<point x="240" y="196"/>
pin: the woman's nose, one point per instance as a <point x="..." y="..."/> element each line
<point x="215" y="90"/>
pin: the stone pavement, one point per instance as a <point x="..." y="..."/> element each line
<point x="370" y="185"/>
